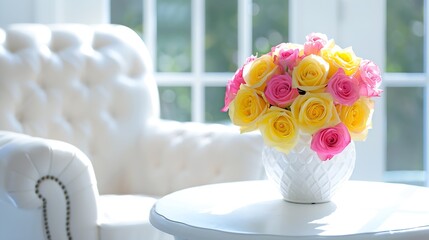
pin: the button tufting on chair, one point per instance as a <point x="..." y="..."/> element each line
<point x="83" y="152"/>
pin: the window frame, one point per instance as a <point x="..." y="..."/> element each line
<point x="400" y="79"/>
<point x="198" y="79"/>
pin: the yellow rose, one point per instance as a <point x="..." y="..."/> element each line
<point x="256" y="73"/>
<point x="340" y="58"/>
<point x="279" y="129"/>
<point x="311" y="74"/>
<point x="247" y="108"/>
<point x="357" y="117"/>
<point x="314" y="111"/>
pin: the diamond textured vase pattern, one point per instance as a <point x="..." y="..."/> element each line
<point x="302" y="177"/>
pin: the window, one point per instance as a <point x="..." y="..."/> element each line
<point x="407" y="83"/>
<point x="211" y="38"/>
<point x="197" y="45"/>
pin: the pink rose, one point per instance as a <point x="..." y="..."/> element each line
<point x="344" y="89"/>
<point x="369" y="79"/>
<point x="315" y="42"/>
<point x="287" y="58"/>
<point x="279" y="91"/>
<point x="234" y="84"/>
<point x="328" y="142"/>
<point x="286" y="55"/>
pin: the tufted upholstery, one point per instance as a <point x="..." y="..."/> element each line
<point x="91" y="89"/>
<point x="24" y="163"/>
<point x="80" y="86"/>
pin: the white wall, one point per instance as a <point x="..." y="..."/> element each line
<point x="54" y="11"/>
<point x="17" y="11"/>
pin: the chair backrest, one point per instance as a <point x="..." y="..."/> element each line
<point x="91" y="86"/>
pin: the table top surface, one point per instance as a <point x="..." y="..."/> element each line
<point x="256" y="210"/>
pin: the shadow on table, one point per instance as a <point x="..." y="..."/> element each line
<point x="278" y="217"/>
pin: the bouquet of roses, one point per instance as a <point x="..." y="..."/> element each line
<point x="317" y="88"/>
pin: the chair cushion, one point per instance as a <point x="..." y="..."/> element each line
<point x="127" y="217"/>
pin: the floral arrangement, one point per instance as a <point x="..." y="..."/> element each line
<point x="317" y="88"/>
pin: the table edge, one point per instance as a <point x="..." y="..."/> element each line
<point x="186" y="231"/>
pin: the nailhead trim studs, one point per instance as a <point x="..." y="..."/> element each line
<point x="45" y="211"/>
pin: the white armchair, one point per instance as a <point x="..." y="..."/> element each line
<point x="79" y="114"/>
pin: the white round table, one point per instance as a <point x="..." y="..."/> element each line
<point x="255" y="210"/>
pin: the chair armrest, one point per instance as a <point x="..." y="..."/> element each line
<point x="53" y="176"/>
<point x="197" y="153"/>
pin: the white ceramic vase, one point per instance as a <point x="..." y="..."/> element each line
<point x="302" y="177"/>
